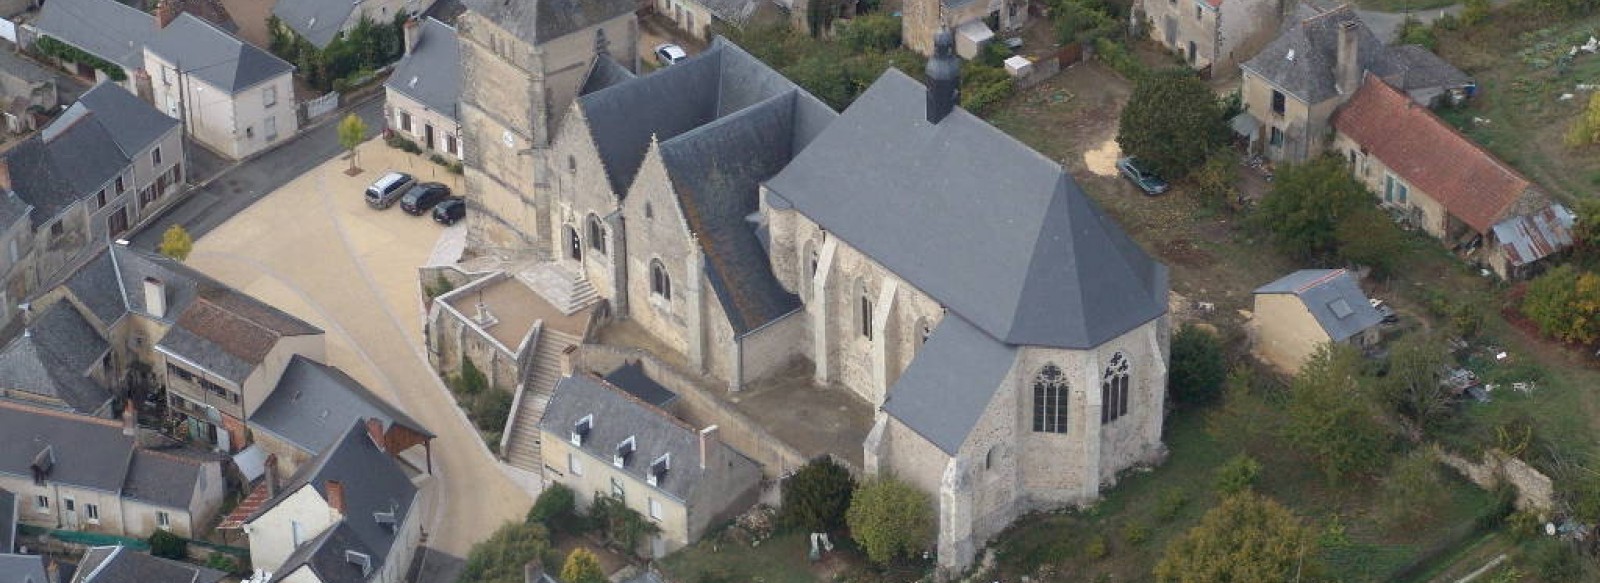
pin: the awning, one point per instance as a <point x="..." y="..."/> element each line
<point x="1244" y="124"/>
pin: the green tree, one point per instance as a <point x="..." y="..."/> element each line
<point x="352" y="131"/>
<point x="1245" y="538"/>
<point x="1565" y="304"/>
<point x="1367" y="236"/>
<point x="1414" y="32"/>
<point x="557" y="509"/>
<point x="1412" y="385"/>
<point x="1307" y="203"/>
<point x="1215" y="181"/>
<point x="168" y="546"/>
<point x="1171" y="123"/>
<point x="501" y="557"/>
<point x="1475" y="11"/>
<point x="1333" y="418"/>
<point x="582" y="567"/>
<point x="1411" y="488"/>
<point x="890" y="519"/>
<point x="1198" y="367"/>
<point x="176" y="243"/>
<point x="619" y="526"/>
<point x="817" y="496"/>
<point x="1586" y="231"/>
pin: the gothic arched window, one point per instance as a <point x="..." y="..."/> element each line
<point x="574" y="246"/>
<point x="660" y="282"/>
<point x="863" y="310"/>
<point x="597" y="234"/>
<point x="1114" y="389"/>
<point x="1050" y="400"/>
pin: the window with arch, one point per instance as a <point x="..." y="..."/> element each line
<point x="660" y="282"/>
<point x="597" y="234"/>
<point x="1050" y="400"/>
<point x="1114" y="389"/>
<point x="574" y="246"/>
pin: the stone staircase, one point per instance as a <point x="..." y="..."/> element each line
<point x="522" y="447"/>
<point x="567" y="290"/>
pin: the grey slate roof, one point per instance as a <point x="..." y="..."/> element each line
<point x="111" y="283"/>
<point x="26" y="70"/>
<point x="632" y="378"/>
<point x="431" y="72"/>
<point x="53" y="357"/>
<point x="1311" y="74"/>
<point x="540" y="21"/>
<point x="716" y="171"/>
<point x="88" y="452"/>
<point x="314" y="403"/>
<point x="1333" y="298"/>
<point x="202" y="352"/>
<point x="13" y="208"/>
<point x="319" y="21"/>
<point x="8" y="521"/>
<point x="88" y="145"/>
<point x="104" y="28"/>
<point x="229" y="333"/>
<point x="991" y="229"/>
<point x="120" y="565"/>
<point x="22" y="568"/>
<point x="950" y="382"/>
<point x="736" y="12"/>
<point x="164" y="478"/>
<point x="214" y="56"/>
<point x="718" y="82"/>
<point x="604" y="72"/>
<point x="617" y="416"/>
<point x="372" y="481"/>
<point x="325" y="556"/>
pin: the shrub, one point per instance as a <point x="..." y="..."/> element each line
<point x="873" y="32"/>
<point x="1411" y="490"/>
<point x="1097" y="548"/>
<point x="983" y="86"/>
<point x="1135" y="533"/>
<point x="490" y="409"/>
<point x="619" y="526"/>
<point x="582" y="567"/>
<point x="50" y="47"/>
<point x="816" y="497"/>
<point x="501" y="558"/>
<point x="437" y="159"/>
<point x="472" y="380"/>
<point x="1237" y="475"/>
<point x="556" y="509"/>
<point x="168" y="546"/>
<point x="890" y="519"/>
<point x="1172" y="501"/>
<point x="1117" y="57"/>
<point x="223" y="562"/>
<point x="1198" y="367"/>
<point x="1565" y="304"/>
<point x="1246" y="538"/>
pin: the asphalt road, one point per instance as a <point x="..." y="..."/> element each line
<point x="243" y="184"/>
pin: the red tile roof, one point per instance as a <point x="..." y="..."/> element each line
<point x="1425" y="152"/>
<point x="249" y="506"/>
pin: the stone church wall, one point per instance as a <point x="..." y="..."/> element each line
<point x="769" y="348"/>
<point x="662" y="236"/>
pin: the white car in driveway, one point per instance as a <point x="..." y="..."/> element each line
<point x="669" y="54"/>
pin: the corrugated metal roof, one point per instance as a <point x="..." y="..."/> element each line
<point x="1529" y="238"/>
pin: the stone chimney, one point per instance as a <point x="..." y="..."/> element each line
<point x="270" y="473"/>
<point x="375" y="431"/>
<point x="413" y="31"/>
<point x="1348" y="60"/>
<point x="155" y="297"/>
<point x="533" y="572"/>
<point x="5" y="174"/>
<point x="568" y="355"/>
<point x="165" y="12"/>
<point x="130" y="418"/>
<point x="708" y="439"/>
<point x="335" y="495"/>
<point x="944" y="76"/>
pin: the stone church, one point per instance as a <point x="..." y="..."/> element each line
<point x="1011" y="339"/>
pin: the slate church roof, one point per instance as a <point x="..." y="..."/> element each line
<point x="540" y="21"/>
<point x="431" y="72"/>
<point x="1332" y="297"/>
<point x="214" y="56"/>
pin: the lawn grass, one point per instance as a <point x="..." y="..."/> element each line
<point x="781" y="559"/>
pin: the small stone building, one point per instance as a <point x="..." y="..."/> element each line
<point x="1212" y="34"/>
<point x="421" y="95"/>
<point x="1300" y="312"/>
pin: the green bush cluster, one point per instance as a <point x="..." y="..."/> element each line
<point x="557" y="509"/>
<point x="168" y="546"/>
<point x="485" y="405"/>
<point x="348" y="59"/>
<point x="50" y="47"/>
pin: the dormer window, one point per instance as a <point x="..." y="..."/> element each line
<point x="624" y="452"/>
<point x="658" y="470"/>
<point x="580" y="430"/>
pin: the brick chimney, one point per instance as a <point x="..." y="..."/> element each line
<point x="5" y="174"/>
<point x="270" y="472"/>
<point x="155" y="297"/>
<point x="130" y="418"/>
<point x="335" y="495"/>
<point x="375" y="431"/>
<point x="412" y="30"/>
<point x="708" y="439"/>
<point x="165" y="12"/>
<point x="1347" y="72"/>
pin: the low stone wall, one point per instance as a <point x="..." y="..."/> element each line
<point x="700" y="407"/>
<point x="1535" y="491"/>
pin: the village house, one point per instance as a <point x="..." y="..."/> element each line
<point x="232" y="97"/>
<point x="743" y="228"/>
<point x="695" y="17"/>
<point x="81" y="473"/>
<point x="119" y="564"/>
<point x="312" y="407"/>
<point x="1293" y="86"/>
<point x="27" y="92"/>
<point x="600" y="440"/>
<point x="1440" y="181"/>
<point x="973" y="21"/>
<point x="116" y="33"/>
<point x="421" y="95"/>
<point x="60" y="363"/>
<point x="319" y="22"/>
<point x="1212" y="35"/>
<point x="1300" y="312"/>
<point x="105" y="164"/>
<point x="348" y="516"/>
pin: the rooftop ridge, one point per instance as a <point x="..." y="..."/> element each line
<point x="1410" y="105"/>
<point x="63" y="415"/>
<point x="681" y="424"/>
<point x="1327" y="277"/>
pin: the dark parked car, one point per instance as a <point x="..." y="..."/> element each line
<point x="423" y="197"/>
<point x="388" y="189"/>
<point x="450" y="211"/>
<point x="1144" y="179"/>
